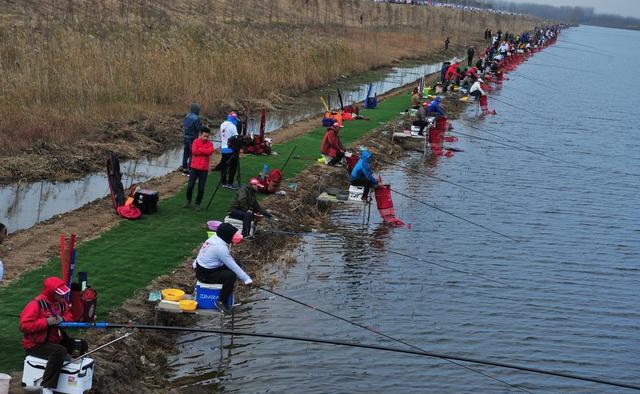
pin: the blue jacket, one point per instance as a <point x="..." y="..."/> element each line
<point x="192" y="124"/>
<point x="362" y="168"/>
<point x="435" y="106"/>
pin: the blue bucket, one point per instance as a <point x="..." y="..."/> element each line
<point x="207" y="294"/>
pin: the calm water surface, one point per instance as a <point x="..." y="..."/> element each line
<point x="571" y="303"/>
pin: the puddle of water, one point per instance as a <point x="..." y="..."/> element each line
<point x="22" y="206"/>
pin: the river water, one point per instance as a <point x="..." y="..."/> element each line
<point x="569" y="301"/>
<point x="23" y="205"/>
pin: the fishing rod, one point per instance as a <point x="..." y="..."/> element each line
<point x="288" y="158"/>
<point x="382" y="334"/>
<point x="454" y="215"/>
<point x="444" y="180"/>
<point x="106" y="325"/>
<point x="98" y="348"/>
<point x="562" y="68"/>
<point x="584" y="51"/>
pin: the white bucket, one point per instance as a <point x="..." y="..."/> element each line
<point x="4" y="383"/>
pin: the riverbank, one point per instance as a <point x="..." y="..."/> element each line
<point x="63" y="110"/>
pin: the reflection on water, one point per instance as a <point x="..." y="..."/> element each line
<point x="22" y="206"/>
<point x="570" y="303"/>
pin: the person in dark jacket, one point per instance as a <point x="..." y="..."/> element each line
<point x="245" y="204"/>
<point x="434" y="108"/>
<point x="42" y="338"/>
<point x="201" y="151"/>
<point x="361" y="175"/>
<point x="215" y="265"/>
<point x="192" y="127"/>
<point x="471" y="51"/>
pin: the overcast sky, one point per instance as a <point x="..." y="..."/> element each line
<point x="619" y="7"/>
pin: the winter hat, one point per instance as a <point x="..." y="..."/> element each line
<point x="255" y="181"/>
<point x="226" y="232"/>
<point x="195" y="108"/>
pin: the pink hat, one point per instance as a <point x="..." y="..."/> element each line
<point x="255" y="181"/>
<point x="233" y="114"/>
<point x="237" y="237"/>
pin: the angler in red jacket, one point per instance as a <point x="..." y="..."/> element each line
<point x="42" y="338"/>
<point x="201" y="151"/>
<point x="331" y="146"/>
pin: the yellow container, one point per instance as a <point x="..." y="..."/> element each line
<point x="172" y="294"/>
<point x="188" y="305"/>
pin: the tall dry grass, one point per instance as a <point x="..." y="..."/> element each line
<point x="67" y="65"/>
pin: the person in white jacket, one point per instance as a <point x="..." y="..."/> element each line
<point x="214" y="264"/>
<point x="476" y="89"/>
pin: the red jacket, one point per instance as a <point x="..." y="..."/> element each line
<point x="451" y="71"/>
<point x="331" y="144"/>
<point x="33" y="319"/>
<point x="201" y="151"/>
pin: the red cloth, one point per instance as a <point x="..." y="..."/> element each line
<point x="201" y="151"/>
<point x="331" y="144"/>
<point x="33" y="319"/>
<point x="473" y="72"/>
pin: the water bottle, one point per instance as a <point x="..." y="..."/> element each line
<point x="265" y="171"/>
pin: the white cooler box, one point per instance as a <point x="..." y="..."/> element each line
<point x="355" y="193"/>
<point x="238" y="224"/>
<point x="75" y="378"/>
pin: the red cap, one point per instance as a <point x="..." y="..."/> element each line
<point x="233" y="114"/>
<point x="62" y="290"/>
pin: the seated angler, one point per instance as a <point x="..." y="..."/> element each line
<point x="214" y="264"/>
<point x="245" y="204"/>
<point x="434" y="108"/>
<point x="42" y="337"/>
<point x="361" y="175"/>
<point x="421" y="118"/>
<point x="331" y="146"/>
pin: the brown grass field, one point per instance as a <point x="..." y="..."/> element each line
<point x="67" y="66"/>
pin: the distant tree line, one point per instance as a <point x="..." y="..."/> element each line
<point x="578" y="15"/>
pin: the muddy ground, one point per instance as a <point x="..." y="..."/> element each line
<point x="138" y="363"/>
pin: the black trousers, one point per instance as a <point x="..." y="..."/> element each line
<point x="186" y="154"/>
<point x="336" y="159"/>
<point x="55" y="355"/>
<point x="201" y="178"/>
<point x="422" y="124"/>
<point x="363" y="182"/>
<point x="228" y="167"/>
<point x="247" y="220"/>
<point x="221" y="275"/>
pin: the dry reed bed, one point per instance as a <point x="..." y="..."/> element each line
<point x="67" y="66"/>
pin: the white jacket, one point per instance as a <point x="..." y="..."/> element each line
<point x="476" y="86"/>
<point x="214" y="253"/>
<point x="227" y="130"/>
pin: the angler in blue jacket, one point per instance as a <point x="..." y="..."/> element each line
<point x="192" y="128"/>
<point x="434" y="108"/>
<point x="361" y="175"/>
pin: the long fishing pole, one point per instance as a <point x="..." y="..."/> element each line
<point x="454" y="215"/>
<point x="288" y="158"/>
<point x="98" y="348"/>
<point x="562" y="68"/>
<point x="444" y="180"/>
<point x="358" y="345"/>
<point x="382" y="334"/>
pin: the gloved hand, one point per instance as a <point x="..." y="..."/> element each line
<point x="54" y="320"/>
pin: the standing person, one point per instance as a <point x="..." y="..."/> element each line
<point x="228" y="163"/>
<point x="331" y="146"/>
<point x="42" y="338"/>
<point x="3" y="235"/>
<point x="471" y="51"/>
<point x="201" y="151"/>
<point x="214" y="264"/>
<point x="191" y="126"/>
<point x="446" y="45"/>
<point x="245" y="204"/>
<point x="361" y="175"/>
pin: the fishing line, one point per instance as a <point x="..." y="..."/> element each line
<point x="443" y="180"/>
<point x="361" y="346"/>
<point x="300" y="234"/>
<point x="562" y="68"/>
<point x="373" y="330"/>
<point x="565" y="41"/>
<point x="454" y="215"/>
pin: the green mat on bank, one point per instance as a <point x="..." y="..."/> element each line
<point x="129" y="256"/>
